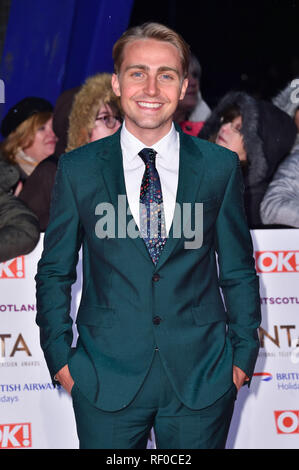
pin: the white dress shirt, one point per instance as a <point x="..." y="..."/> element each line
<point x="167" y="164"/>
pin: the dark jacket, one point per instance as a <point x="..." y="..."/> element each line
<point x="37" y="189"/>
<point x="123" y="314"/>
<point x="19" y="228"/>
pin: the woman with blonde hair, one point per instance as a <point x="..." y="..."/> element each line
<point x="28" y="133"/>
<point x="81" y="114"/>
<point x="96" y="112"/>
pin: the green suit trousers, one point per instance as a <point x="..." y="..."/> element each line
<point x="155" y="405"/>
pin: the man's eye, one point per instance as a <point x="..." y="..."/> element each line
<point x="166" y="76"/>
<point x="137" y="74"/>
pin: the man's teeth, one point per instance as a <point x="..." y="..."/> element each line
<point x="149" y="105"/>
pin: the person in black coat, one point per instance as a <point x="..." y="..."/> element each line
<point x="19" y="227"/>
<point x="37" y="190"/>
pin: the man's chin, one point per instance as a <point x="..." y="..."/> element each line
<point x="150" y="123"/>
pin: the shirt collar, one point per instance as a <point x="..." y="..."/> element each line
<point x="165" y="147"/>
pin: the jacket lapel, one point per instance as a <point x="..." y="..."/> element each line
<point x="114" y="180"/>
<point x="191" y="173"/>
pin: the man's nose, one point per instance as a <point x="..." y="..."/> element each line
<point x="151" y="86"/>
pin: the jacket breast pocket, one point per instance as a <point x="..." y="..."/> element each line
<point x="209" y="213"/>
<point x="96" y="316"/>
<point x="210" y="312"/>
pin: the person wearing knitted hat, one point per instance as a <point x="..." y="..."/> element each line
<point x="29" y="137"/>
<point x="262" y="136"/>
<point x="96" y="112"/>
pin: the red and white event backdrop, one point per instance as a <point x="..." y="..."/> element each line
<point x="36" y="415"/>
<point x="267" y="414"/>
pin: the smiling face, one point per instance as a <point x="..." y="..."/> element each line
<point x="150" y="83"/>
<point x="229" y="136"/>
<point x="44" y="142"/>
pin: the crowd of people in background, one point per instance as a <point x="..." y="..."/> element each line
<point x="264" y="134"/>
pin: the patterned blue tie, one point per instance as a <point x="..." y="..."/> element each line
<point x="152" y="218"/>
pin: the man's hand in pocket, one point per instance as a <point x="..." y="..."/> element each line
<point x="65" y="379"/>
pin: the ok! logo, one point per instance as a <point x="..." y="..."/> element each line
<point x="277" y="261"/>
<point x="13" y="269"/>
<point x="287" y="422"/>
<point x="13" y="436"/>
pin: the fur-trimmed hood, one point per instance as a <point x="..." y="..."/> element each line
<point x="268" y="134"/>
<point x="95" y="92"/>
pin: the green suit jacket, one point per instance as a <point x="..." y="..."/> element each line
<point x="206" y="299"/>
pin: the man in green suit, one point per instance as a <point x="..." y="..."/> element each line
<point x="167" y="331"/>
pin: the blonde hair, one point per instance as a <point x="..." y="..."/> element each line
<point x="151" y="31"/>
<point x="23" y="136"/>
<point x="96" y="92"/>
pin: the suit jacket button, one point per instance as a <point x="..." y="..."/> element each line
<point x="156" y="320"/>
<point x="156" y="277"/>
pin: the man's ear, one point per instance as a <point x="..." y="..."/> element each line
<point x="115" y="84"/>
<point x="184" y="88"/>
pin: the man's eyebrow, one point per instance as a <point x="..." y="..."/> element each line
<point x="166" y="68"/>
<point x="137" y="66"/>
<point x="163" y="68"/>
